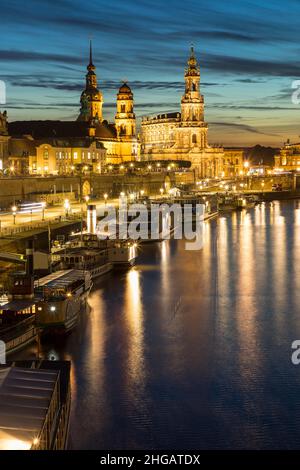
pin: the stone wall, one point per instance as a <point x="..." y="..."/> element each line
<point x="265" y="183"/>
<point x="23" y="188"/>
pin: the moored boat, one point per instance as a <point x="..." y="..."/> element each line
<point x="62" y="296"/>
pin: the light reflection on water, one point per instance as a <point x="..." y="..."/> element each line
<point x="192" y="349"/>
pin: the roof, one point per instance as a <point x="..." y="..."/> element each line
<point x="59" y="279"/>
<point x="124" y="88"/>
<point x="41" y="130"/>
<point x="25" y="395"/>
<point x="84" y="142"/>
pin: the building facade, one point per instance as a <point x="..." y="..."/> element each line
<point x="183" y="136"/>
<point x="4" y="137"/>
<point x="63" y="157"/>
<point x="289" y="158"/>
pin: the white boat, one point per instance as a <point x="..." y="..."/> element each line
<point x="63" y="295"/>
<point x="122" y="254"/>
<point x="88" y="252"/>
<point x="92" y="260"/>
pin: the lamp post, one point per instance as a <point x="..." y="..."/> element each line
<point x="105" y="196"/>
<point x="67" y="207"/>
<point x="14" y="213"/>
<point x="161" y="191"/>
<point x="43" y="210"/>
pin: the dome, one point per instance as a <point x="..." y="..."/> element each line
<point x="125" y="89"/>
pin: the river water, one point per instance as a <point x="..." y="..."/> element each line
<point x="192" y="349"/>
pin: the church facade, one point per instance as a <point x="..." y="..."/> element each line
<point x="119" y="139"/>
<point x="183" y="136"/>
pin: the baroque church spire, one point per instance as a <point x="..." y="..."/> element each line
<point x="91" y="98"/>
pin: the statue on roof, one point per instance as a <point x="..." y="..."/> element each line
<point x="3" y="123"/>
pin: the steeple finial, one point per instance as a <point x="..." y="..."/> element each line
<point x="91" y="53"/>
<point x="192" y="50"/>
<point x="192" y="61"/>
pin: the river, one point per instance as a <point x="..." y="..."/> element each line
<point x="192" y="349"/>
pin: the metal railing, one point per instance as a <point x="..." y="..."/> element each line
<point x="21" y="228"/>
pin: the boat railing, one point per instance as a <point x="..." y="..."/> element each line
<point x="20" y="324"/>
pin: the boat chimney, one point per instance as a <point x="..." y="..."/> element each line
<point x="91" y="218"/>
<point x="29" y="258"/>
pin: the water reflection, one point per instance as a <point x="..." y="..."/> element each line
<point x="133" y="312"/>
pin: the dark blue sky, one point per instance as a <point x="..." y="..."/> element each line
<point x="249" y="54"/>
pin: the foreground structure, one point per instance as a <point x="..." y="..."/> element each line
<point x="34" y="405"/>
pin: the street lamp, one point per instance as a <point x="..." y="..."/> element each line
<point x="14" y="213"/>
<point x="105" y="195"/>
<point x="142" y="192"/>
<point x="86" y="198"/>
<point x="161" y="191"/>
<point x="67" y="206"/>
<point x="43" y="210"/>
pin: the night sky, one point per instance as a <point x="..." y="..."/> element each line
<point x="249" y="54"/>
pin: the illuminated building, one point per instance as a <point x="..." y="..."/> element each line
<point x="60" y="147"/>
<point x="183" y="136"/>
<point x="289" y="158"/>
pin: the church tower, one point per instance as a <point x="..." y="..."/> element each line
<point x="125" y="117"/>
<point x="91" y="99"/>
<point x="192" y="102"/>
<point x="192" y="130"/>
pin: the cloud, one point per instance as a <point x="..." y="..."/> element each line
<point x="215" y="35"/>
<point x="254" y="108"/>
<point x="242" y="127"/>
<point x="233" y="65"/>
<point x="31" y="56"/>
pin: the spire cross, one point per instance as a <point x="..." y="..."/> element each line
<point x="91" y="51"/>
